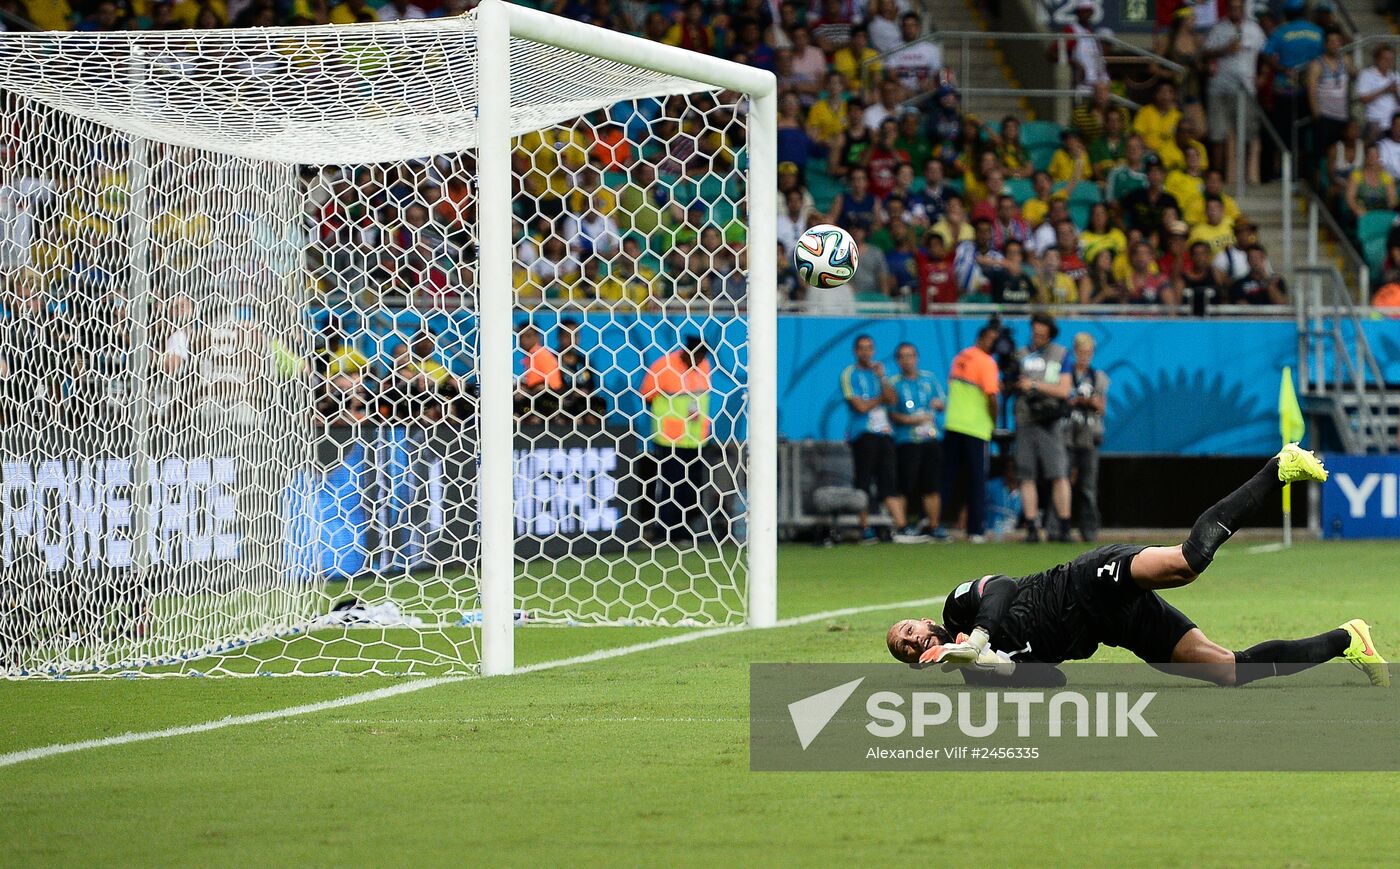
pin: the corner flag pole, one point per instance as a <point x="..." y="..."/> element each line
<point x="1290" y="424"/>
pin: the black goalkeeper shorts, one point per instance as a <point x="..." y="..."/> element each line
<point x="1123" y="614"/>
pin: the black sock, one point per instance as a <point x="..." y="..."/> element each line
<point x="1286" y="657"/>
<point x="1220" y="522"/>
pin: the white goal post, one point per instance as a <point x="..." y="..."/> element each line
<point x="264" y="296"/>
<point x="497" y="23"/>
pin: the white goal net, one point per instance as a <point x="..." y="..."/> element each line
<point x="275" y="398"/>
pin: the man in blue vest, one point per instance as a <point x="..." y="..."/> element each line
<point x="918" y="453"/>
<point x="868" y="394"/>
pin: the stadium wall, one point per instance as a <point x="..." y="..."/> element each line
<point x="1180" y="386"/>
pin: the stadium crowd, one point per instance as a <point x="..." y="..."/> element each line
<point x="640" y="206"/>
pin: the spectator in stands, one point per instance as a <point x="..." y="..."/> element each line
<point x="1328" y="83"/>
<point x="400" y="10"/>
<point x="1156" y="122"/>
<point x="343" y="400"/>
<point x="1143" y="208"/>
<point x="929" y="204"/>
<point x="945" y="121"/>
<point x="1008" y="282"/>
<point x="421" y="389"/>
<point x="1101" y="236"/>
<point x="344" y="12"/>
<point x="1287" y="52"/>
<point x="795" y="146"/>
<point x="1371" y="188"/>
<point x="1180" y="43"/>
<point x="858" y="204"/>
<point x="873" y="280"/>
<point x="1347" y="155"/>
<point x="886" y="106"/>
<point x="1047" y="235"/>
<point x="834" y="28"/>
<point x="1187" y="184"/>
<point x="691" y="32"/>
<point x="1070" y="163"/>
<point x="1200" y="285"/>
<point x="1173" y="154"/>
<point x="676" y="392"/>
<point x="593" y="232"/>
<point x="1390" y="147"/>
<point x="1233" y="45"/>
<point x="1042" y="395"/>
<point x="1052" y="285"/>
<point x="1130" y="174"/>
<point x="884" y="157"/>
<point x="918" y="61"/>
<point x="538" y="384"/>
<point x="1010" y="153"/>
<point x="1146" y="285"/>
<point x="1232" y="262"/>
<point x="1084" y="50"/>
<point x="579" y="400"/>
<point x="884" y="27"/>
<point x="905" y="261"/>
<point x="793" y="220"/>
<point x="808" y="66"/>
<point x="911" y="139"/>
<point x="1008" y="225"/>
<point x="826" y="120"/>
<point x="857" y="62"/>
<point x="1259" y="286"/>
<point x="918" y="453"/>
<point x="1088" y="403"/>
<point x="1215" y="231"/>
<point x="903" y="196"/>
<point x="953" y="225"/>
<point x="1035" y="209"/>
<point x="973" y="388"/>
<point x="1378" y="89"/>
<point x="939" y="284"/>
<point x="1109" y="149"/>
<point x="1176" y="252"/>
<point x="1104" y="288"/>
<point x="849" y="152"/>
<point x="1090" y="116"/>
<point x="868" y="395"/>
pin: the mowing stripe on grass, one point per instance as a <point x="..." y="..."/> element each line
<point x="16" y="757"/>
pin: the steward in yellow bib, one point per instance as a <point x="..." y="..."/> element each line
<point x="676" y="389"/>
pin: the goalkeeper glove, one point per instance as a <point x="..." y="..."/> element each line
<point x="969" y="651"/>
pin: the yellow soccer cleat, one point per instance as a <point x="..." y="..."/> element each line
<point x="1296" y="463"/>
<point x="1363" y="655"/>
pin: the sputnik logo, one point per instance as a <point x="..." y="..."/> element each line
<point x="811" y="715"/>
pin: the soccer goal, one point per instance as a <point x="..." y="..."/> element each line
<point x="351" y="349"/>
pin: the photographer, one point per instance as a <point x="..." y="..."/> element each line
<point x="1084" y="434"/>
<point x="1042" y="403"/>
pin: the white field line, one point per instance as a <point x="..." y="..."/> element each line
<point x="16" y="757"/>
<point x="1266" y="547"/>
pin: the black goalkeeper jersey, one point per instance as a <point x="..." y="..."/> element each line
<point x="1048" y="617"/>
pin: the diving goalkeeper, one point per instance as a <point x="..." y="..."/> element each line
<point x="1109" y="596"/>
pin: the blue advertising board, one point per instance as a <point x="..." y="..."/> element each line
<point x="1361" y="497"/>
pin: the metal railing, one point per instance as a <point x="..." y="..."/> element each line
<point x="960" y="42"/>
<point x="1360" y="49"/>
<point x="1322" y="306"/>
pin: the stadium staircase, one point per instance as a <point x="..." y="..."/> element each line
<point x="986" y="65"/>
<point x="1339" y="376"/>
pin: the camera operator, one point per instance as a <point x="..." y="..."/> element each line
<point x="1042" y="405"/>
<point x="1084" y="435"/>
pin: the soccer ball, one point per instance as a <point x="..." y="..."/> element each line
<point x="826" y="256"/>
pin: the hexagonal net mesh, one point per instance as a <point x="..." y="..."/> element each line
<point x="238" y="415"/>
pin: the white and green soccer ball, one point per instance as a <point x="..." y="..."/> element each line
<point x="826" y="256"/>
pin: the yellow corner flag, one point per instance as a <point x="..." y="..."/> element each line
<point x="1290" y="425"/>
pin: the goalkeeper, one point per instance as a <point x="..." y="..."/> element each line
<point x="1109" y="595"/>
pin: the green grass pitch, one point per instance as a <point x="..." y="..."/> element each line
<point x="643" y="759"/>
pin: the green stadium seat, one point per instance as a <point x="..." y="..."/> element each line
<point x="1374" y="251"/>
<point x="1374" y="224"/>
<point x="1079" y="213"/>
<point x="1040" y="155"/>
<point x="1020" y="189"/>
<point x="1040" y="133"/>
<point x="1086" y="191"/>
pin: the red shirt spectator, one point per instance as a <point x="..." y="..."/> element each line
<point x="938" y="285"/>
<point x="882" y="161"/>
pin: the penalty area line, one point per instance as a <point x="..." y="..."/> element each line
<point x="17" y="757"/>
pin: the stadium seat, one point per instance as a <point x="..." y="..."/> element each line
<point x="1374" y="251"/>
<point x="1036" y="134"/>
<point x="1020" y="189"/>
<point x="1079" y="213"/>
<point x="1374" y="224"/>
<point x="1041" y="155"/>
<point x="1087" y="192"/>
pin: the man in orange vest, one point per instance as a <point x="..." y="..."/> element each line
<point x="537" y="388"/>
<point x="676" y="390"/>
